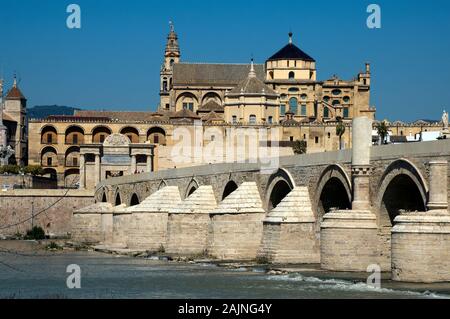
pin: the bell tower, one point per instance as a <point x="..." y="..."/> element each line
<point x="171" y="56"/>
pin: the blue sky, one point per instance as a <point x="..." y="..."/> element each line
<point x="113" y="62"/>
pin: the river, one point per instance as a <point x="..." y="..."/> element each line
<point x="106" y="276"/>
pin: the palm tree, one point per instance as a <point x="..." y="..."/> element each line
<point x="382" y="131"/>
<point x="340" y="131"/>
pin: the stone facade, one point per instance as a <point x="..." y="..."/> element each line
<point x="189" y="223"/>
<point x="52" y="210"/>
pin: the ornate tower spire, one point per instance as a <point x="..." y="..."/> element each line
<point x="172" y="47"/>
<point x="252" y="73"/>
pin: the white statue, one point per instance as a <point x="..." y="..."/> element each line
<point x="445" y="120"/>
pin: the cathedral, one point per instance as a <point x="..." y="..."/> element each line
<point x="282" y="96"/>
<point x="284" y="87"/>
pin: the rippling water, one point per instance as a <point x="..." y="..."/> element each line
<point x="106" y="276"/>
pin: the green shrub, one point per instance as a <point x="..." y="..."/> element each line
<point x="34" y="170"/>
<point x="262" y="260"/>
<point x="300" y="147"/>
<point x="10" y="169"/>
<point x="37" y="233"/>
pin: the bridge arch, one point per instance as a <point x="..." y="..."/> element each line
<point x="402" y="187"/>
<point x="162" y="184"/>
<point x="279" y="186"/>
<point x="118" y="200"/>
<point x="333" y="190"/>
<point x="191" y="188"/>
<point x="134" y="201"/>
<point x="228" y="189"/>
<point x="104" y="197"/>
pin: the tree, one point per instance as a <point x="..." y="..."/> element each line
<point x="300" y="147"/>
<point x="382" y="131"/>
<point x="340" y="131"/>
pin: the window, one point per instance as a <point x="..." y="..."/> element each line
<point x="336" y="92"/>
<point x="102" y="138"/>
<point x="213" y="138"/>
<point x="304" y="97"/>
<point x="293" y="105"/>
<point x="75" y="139"/>
<point x="326" y="113"/>
<point x="329" y="135"/>
<point x="167" y="106"/>
<point x="172" y="61"/>
<point x="252" y="119"/>
<point x="316" y="139"/>
<point x="346" y="112"/>
<point x="49" y="161"/>
<point x="283" y="109"/>
<point x="291" y="75"/>
<point x="234" y="119"/>
<point x="336" y="102"/>
<point x="75" y="162"/>
<point x="188" y="106"/>
<point x="303" y="110"/>
<point x="326" y="99"/>
<point x="291" y="138"/>
<point x="270" y="120"/>
<point x="293" y="90"/>
<point x="165" y="85"/>
<point x="49" y="139"/>
<point x="156" y="139"/>
<point x="304" y="136"/>
<point x="346" y="99"/>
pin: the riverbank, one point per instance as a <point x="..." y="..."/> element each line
<point x="30" y="269"/>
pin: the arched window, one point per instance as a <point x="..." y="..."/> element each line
<point x="293" y="105"/>
<point x="172" y="61"/>
<point x="252" y="119"/>
<point x="164" y="85"/>
<point x="291" y="75"/>
<point x="326" y="113"/>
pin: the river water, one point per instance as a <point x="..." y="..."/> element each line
<point x="105" y="276"/>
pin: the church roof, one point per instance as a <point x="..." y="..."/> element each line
<point x="184" y="114"/>
<point x="213" y="74"/>
<point x="210" y="106"/>
<point x="291" y="52"/>
<point x="252" y="86"/>
<point x="15" y="94"/>
<point x="123" y="116"/>
<point x="212" y="117"/>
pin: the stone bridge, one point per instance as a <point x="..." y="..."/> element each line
<point x="346" y="210"/>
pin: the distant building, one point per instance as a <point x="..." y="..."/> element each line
<point x="13" y="109"/>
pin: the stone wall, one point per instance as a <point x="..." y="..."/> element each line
<point x="27" y="182"/>
<point x="52" y="210"/>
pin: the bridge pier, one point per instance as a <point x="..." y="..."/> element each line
<point x="148" y="225"/>
<point x="349" y="239"/>
<point x="95" y="224"/>
<point x="237" y="225"/>
<point x="421" y="241"/>
<point x="289" y="232"/>
<point x="189" y="223"/>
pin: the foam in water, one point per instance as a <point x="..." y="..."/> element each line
<point x="344" y="285"/>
